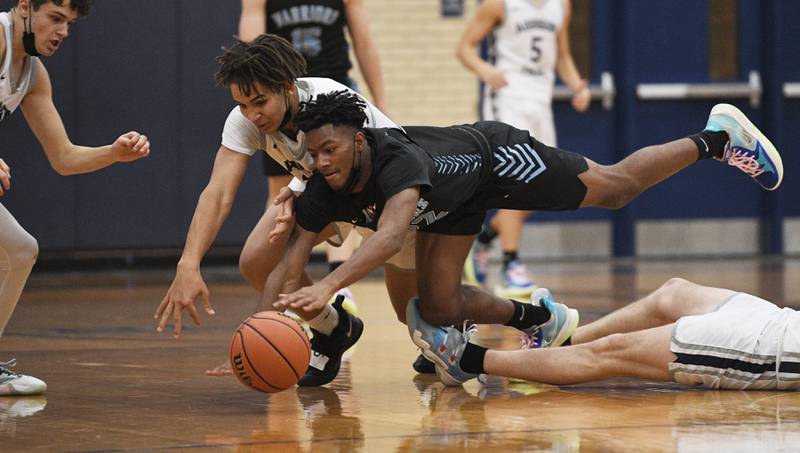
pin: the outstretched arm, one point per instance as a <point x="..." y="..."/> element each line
<point x="565" y="66"/>
<point x="212" y="209"/>
<point x="366" y="51"/>
<point x="488" y="15"/>
<point x="374" y="251"/>
<point x="253" y="21"/>
<point x="65" y="157"/>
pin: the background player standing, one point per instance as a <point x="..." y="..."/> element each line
<point x="529" y="43"/>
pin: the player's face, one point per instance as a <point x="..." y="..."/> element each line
<point x="262" y="107"/>
<point x="333" y="150"/>
<point x="51" y="26"/>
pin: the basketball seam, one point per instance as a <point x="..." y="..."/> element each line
<point x="302" y="336"/>
<point x="288" y="362"/>
<point x="246" y="357"/>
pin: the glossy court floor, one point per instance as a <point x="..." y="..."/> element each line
<point x="115" y="385"/>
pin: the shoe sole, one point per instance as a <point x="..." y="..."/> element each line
<point x="567" y="329"/>
<point x="425" y="347"/>
<point x="769" y="148"/>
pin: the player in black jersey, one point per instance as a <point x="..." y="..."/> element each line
<point x="441" y="181"/>
<point x="316" y="28"/>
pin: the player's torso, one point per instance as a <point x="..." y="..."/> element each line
<point x="316" y="29"/>
<point x="525" y="45"/>
<point x="14" y="85"/>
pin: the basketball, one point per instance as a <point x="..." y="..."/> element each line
<point x="269" y="352"/>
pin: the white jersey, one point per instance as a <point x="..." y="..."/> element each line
<point x="242" y="136"/>
<point x="11" y="94"/>
<point x="525" y="47"/>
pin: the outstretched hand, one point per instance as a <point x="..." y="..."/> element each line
<point x="181" y="295"/>
<point x="5" y="177"/>
<point x="131" y="146"/>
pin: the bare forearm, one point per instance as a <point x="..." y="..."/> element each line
<point x="569" y="74"/>
<point x="469" y="57"/>
<point x="76" y="159"/>
<point x="369" y="63"/>
<point x="373" y="252"/>
<point x="207" y="220"/>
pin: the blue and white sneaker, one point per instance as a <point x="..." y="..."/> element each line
<point x="476" y="265"/>
<point x="515" y="282"/>
<point x="442" y="345"/>
<point x="562" y="324"/>
<point x="747" y="149"/>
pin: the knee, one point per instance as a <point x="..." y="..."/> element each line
<point x="22" y="252"/>
<point x="248" y="267"/>
<point x="610" y="345"/>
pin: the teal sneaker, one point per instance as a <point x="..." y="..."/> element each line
<point x="747" y="149"/>
<point x="442" y="345"/>
<point x="562" y="324"/>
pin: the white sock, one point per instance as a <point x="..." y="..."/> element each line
<point x="326" y="321"/>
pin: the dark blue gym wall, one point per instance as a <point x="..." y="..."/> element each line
<point x="117" y="72"/>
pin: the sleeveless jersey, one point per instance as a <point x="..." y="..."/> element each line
<point x="11" y="95"/>
<point x="243" y="136"/>
<point x="316" y="29"/>
<point x="525" y="47"/>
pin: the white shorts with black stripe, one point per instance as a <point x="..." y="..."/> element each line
<point x="741" y="345"/>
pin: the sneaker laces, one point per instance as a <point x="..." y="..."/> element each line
<point x="745" y="162"/>
<point x="468" y="330"/>
<point x="532" y="339"/>
<point x="5" y="365"/>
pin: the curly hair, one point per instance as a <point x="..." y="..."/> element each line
<point x="269" y="60"/>
<point x="339" y="108"/>
<point x="81" y="6"/>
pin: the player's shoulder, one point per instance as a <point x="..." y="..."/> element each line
<point x="317" y="85"/>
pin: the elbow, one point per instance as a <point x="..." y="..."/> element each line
<point x="62" y="169"/>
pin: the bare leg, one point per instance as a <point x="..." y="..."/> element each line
<point x="443" y="299"/>
<point x="402" y="286"/>
<point x="674" y="299"/>
<point x="344" y="251"/>
<point x="18" y="252"/>
<point x="614" y="186"/>
<point x="259" y="257"/>
<point x="643" y="354"/>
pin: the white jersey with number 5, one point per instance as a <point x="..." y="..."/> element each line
<point x="525" y="47"/>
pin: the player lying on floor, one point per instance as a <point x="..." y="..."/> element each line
<point x="683" y="332"/>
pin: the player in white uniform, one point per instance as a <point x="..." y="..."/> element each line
<point x="263" y="120"/>
<point x="36" y="28"/>
<point x="529" y="43"/>
<point x="684" y="332"/>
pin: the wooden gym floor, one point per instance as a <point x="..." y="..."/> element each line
<point x="115" y="385"/>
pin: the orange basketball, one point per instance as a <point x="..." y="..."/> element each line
<point x="270" y="352"/>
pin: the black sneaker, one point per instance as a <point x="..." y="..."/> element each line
<point x="327" y="350"/>
<point x="423" y="365"/>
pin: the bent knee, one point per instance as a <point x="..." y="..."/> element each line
<point x="22" y="252"/>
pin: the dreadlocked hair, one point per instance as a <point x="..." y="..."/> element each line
<point x="338" y="108"/>
<point x="81" y="6"/>
<point x="269" y="60"/>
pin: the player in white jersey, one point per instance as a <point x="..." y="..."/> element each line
<point x="529" y="43"/>
<point x="31" y="29"/>
<point x="682" y="332"/>
<point x="264" y="78"/>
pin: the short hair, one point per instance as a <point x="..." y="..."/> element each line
<point x="269" y="60"/>
<point x="81" y="6"/>
<point x="339" y="108"/>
